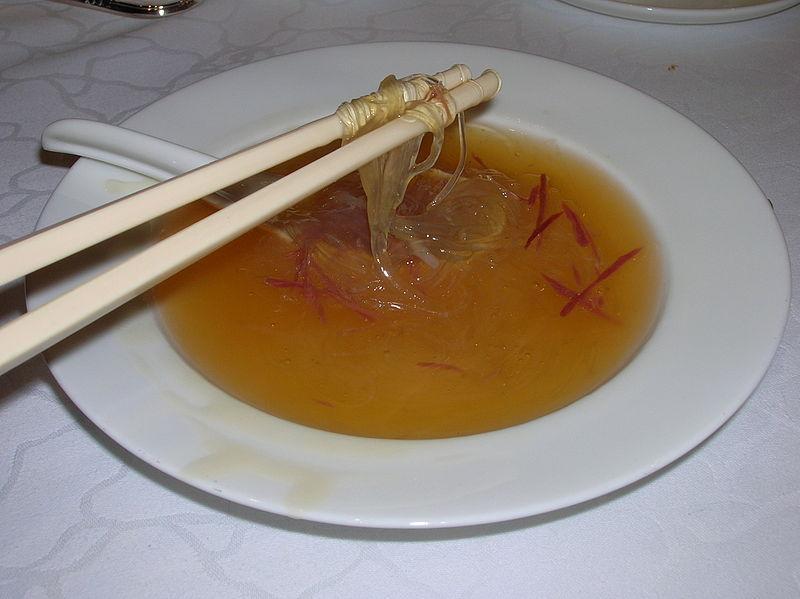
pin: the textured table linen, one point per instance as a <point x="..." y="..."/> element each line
<point x="80" y="517"/>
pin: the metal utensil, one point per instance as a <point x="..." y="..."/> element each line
<point x="137" y="9"/>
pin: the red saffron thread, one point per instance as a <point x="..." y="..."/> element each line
<point x="580" y="232"/>
<point x="582" y="235"/>
<point x="542" y="193"/>
<point x="533" y="196"/>
<point x="541" y="228"/>
<point x="312" y="293"/>
<point x="585" y="302"/>
<point x="344" y="298"/>
<point x="615" y="266"/>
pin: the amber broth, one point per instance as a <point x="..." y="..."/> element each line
<point x="497" y="353"/>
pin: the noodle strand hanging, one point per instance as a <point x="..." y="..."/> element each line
<point x="440" y="228"/>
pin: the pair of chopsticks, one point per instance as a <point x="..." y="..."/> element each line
<point x="37" y="330"/>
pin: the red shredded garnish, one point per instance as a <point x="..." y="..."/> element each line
<point x="440" y="366"/>
<point x="542" y="194"/>
<point x="344" y="298"/>
<point x="615" y="266"/>
<point x="312" y="293"/>
<point x="540" y="228"/>
<point x="533" y="196"/>
<point x="582" y="235"/>
<point x="585" y="302"/>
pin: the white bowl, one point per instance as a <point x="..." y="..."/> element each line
<point x="727" y="300"/>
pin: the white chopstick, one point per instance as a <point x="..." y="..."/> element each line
<point x="49" y="245"/>
<point x="39" y="329"/>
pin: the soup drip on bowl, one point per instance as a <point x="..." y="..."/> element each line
<point x="528" y="285"/>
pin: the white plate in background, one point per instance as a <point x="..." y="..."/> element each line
<point x="686" y="12"/>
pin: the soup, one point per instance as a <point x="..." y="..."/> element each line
<point x="472" y="327"/>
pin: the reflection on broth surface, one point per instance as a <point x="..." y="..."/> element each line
<point x="528" y="286"/>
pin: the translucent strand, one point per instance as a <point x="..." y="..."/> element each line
<point x="386" y="178"/>
<point x="462" y="163"/>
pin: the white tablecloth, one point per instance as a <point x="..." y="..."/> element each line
<point x="79" y="517"/>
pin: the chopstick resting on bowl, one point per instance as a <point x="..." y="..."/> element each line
<point x="37" y="330"/>
<point x="42" y="248"/>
